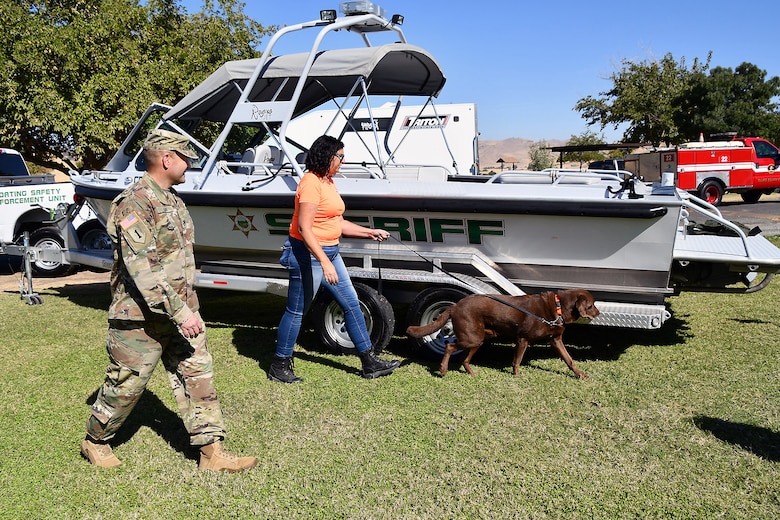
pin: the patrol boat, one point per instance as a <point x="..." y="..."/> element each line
<point x="453" y="232"/>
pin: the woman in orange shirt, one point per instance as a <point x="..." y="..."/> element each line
<point x="313" y="260"/>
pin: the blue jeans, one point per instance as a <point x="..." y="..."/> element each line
<point x="306" y="278"/>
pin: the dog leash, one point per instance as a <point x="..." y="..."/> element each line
<point x="557" y="322"/>
<point x="379" y="267"/>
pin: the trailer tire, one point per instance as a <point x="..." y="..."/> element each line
<point x="330" y="327"/>
<point x="93" y="235"/>
<point x="751" y="196"/>
<point x="711" y="191"/>
<point x="426" y="307"/>
<point x="49" y="238"/>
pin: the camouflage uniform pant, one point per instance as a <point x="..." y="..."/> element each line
<point x="134" y="348"/>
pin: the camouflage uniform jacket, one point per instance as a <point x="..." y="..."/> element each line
<point x="154" y="266"/>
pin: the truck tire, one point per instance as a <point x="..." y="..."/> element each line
<point x="49" y="238"/>
<point x="331" y="329"/>
<point x="711" y="191"/>
<point x="752" y="196"/>
<point x="426" y="307"/>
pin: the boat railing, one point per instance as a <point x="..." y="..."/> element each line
<point x="395" y="172"/>
<point x="359" y="171"/>
<point x="254" y="169"/>
<point x="704" y="208"/>
<point x="622" y="174"/>
<point x="551" y="176"/>
<point x="572" y="176"/>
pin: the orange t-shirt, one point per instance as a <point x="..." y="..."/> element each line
<point x="330" y="208"/>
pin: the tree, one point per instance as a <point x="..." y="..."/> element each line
<point x="541" y="156"/>
<point x="737" y="100"/>
<point x="75" y="75"/>
<point x="585" y="138"/>
<point x="644" y="96"/>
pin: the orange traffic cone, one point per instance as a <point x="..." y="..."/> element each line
<point x="701" y="137"/>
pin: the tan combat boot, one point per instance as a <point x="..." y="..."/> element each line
<point x="214" y="458"/>
<point x="99" y="454"/>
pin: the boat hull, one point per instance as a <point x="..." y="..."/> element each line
<point x="554" y="237"/>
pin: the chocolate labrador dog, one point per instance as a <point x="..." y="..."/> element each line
<point x="531" y="319"/>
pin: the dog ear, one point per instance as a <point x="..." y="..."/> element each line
<point x="580" y="305"/>
<point x="585" y="305"/>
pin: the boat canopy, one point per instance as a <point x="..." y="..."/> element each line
<point x="395" y="69"/>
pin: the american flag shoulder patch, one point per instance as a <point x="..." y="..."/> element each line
<point x="129" y="221"/>
<point x="134" y="229"/>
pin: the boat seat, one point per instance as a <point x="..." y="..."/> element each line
<point x="260" y="154"/>
<point x="274" y="154"/>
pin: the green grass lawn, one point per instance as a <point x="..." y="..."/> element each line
<point x="681" y="422"/>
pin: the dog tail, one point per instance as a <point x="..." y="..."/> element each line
<point x="424" y="330"/>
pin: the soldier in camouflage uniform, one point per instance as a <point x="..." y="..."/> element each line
<point x="154" y="312"/>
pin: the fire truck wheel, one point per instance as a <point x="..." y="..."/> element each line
<point x="752" y="196"/>
<point x="49" y="240"/>
<point x="330" y="327"/>
<point x="428" y="306"/>
<point x="712" y="192"/>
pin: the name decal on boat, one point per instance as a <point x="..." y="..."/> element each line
<point x="367" y="124"/>
<point x="261" y="114"/>
<point x="415" y="229"/>
<point x="414" y="123"/>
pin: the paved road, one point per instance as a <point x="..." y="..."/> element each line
<point x="765" y="213"/>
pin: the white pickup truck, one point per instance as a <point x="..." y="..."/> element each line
<point x="31" y="203"/>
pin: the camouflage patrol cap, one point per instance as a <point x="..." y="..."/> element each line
<point x="165" y="140"/>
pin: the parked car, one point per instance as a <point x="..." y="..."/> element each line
<point x="30" y="203"/>
<point x="608" y="164"/>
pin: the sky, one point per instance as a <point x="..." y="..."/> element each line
<point x="526" y="64"/>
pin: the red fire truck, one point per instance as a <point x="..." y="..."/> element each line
<point x="708" y="169"/>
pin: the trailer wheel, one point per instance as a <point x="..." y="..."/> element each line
<point x="752" y="196"/>
<point x="712" y="192"/>
<point x="331" y="328"/>
<point x="49" y="238"/>
<point x="93" y="235"/>
<point x="428" y="306"/>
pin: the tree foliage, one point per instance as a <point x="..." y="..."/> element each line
<point x="664" y="101"/>
<point x="75" y="75"/>
<point x="738" y="100"/>
<point x="540" y="156"/>
<point x="584" y="139"/>
<point x="643" y="96"/>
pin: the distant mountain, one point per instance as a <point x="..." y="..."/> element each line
<point x="514" y="152"/>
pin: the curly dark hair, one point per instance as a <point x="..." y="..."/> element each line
<point x="320" y="154"/>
